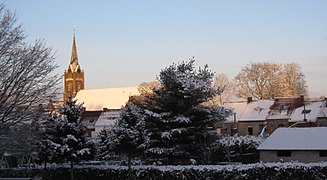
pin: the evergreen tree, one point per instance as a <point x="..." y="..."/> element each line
<point x="128" y="134"/>
<point x="176" y="118"/>
<point x="67" y="136"/>
<point x="103" y="145"/>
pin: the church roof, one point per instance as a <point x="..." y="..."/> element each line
<point x="110" y="98"/>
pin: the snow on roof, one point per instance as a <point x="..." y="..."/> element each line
<point x="111" y="98"/>
<point x="313" y="138"/>
<point x="284" y="107"/>
<point x="253" y="111"/>
<point x="237" y="107"/>
<point x="107" y="118"/>
<point x="312" y="111"/>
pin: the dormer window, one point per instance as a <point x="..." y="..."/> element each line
<point x="307" y="111"/>
<point x="259" y="109"/>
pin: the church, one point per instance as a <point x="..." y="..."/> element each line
<point x="102" y="106"/>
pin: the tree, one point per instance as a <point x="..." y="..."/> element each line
<point x="103" y="145"/>
<point x="176" y="119"/>
<point x="128" y="135"/>
<point x="293" y="78"/>
<point x="21" y="141"/>
<point x="224" y="87"/>
<point x="27" y="77"/>
<point x="269" y="80"/>
<point x="67" y="137"/>
<point x="146" y="88"/>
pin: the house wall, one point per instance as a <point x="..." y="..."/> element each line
<point x="273" y="124"/>
<point x="243" y="126"/>
<point x="228" y="128"/>
<point x="301" y="156"/>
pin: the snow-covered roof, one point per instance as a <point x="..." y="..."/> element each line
<point x="284" y="107"/>
<point x="236" y="107"/>
<point x="111" y="98"/>
<point x="312" y="111"/>
<point x="252" y="111"/>
<point x="313" y="138"/>
<point x="107" y="118"/>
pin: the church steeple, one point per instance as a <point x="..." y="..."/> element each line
<point x="74" y="57"/>
<point x="74" y="76"/>
<point x="74" y="66"/>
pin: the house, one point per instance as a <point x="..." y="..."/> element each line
<point x="89" y="118"/>
<point x="106" y="120"/>
<point x="311" y="113"/>
<point x="295" y="144"/>
<point x="250" y="116"/>
<point x="281" y="111"/>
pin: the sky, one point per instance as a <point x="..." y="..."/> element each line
<point x="124" y="43"/>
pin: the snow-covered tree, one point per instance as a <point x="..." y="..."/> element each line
<point x="103" y="145"/>
<point x="128" y="135"/>
<point x="176" y="119"/>
<point x="67" y="137"/>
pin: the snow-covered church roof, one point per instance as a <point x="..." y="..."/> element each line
<point x="110" y="98"/>
<point x="313" y="138"/>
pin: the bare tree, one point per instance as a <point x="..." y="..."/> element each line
<point x="148" y="87"/>
<point x="27" y="73"/>
<point x="294" y="80"/>
<point x="269" y="80"/>
<point x="224" y="87"/>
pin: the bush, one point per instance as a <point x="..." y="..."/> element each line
<point x="270" y="171"/>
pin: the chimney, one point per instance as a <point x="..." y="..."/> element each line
<point x="250" y="99"/>
<point x="302" y="98"/>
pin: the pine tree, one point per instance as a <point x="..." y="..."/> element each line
<point x="67" y="136"/>
<point x="176" y="119"/>
<point x="103" y="145"/>
<point x="128" y="134"/>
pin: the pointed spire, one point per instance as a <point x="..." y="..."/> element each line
<point x="74" y="57"/>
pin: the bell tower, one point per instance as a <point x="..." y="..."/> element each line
<point x="74" y="75"/>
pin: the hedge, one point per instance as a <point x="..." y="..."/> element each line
<point x="269" y="171"/>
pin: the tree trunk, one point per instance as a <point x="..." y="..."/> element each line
<point x="45" y="170"/>
<point x="71" y="171"/>
<point x="129" y="165"/>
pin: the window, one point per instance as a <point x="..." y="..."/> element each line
<point x="323" y="153"/>
<point x="250" y="130"/>
<point x="307" y="111"/>
<point x="284" y="153"/>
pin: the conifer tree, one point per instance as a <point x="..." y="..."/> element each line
<point x="128" y="135"/>
<point x="103" y="145"/>
<point x="176" y="118"/>
<point x="67" y="137"/>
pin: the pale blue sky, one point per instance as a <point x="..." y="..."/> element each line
<point x="123" y="43"/>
